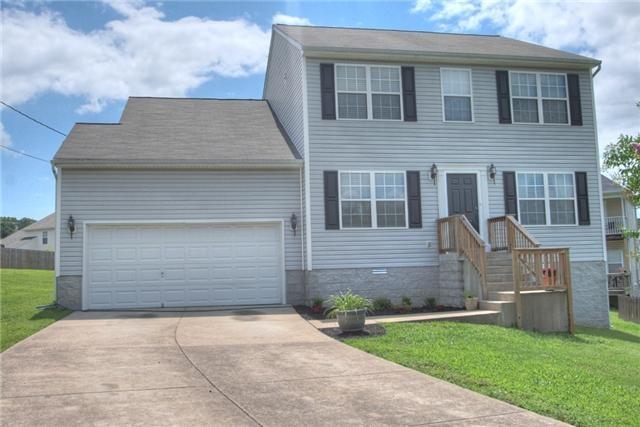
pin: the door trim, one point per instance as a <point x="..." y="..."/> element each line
<point x="483" y="192"/>
<point x="88" y="223"/>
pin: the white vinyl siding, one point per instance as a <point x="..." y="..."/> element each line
<point x="357" y="145"/>
<point x="373" y="200"/>
<point x="457" y="99"/>
<point x="366" y="92"/>
<point x="546" y="198"/>
<point x="539" y="97"/>
<point x="130" y="195"/>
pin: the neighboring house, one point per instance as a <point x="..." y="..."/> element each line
<point x="363" y="140"/>
<point x="619" y="215"/>
<point x="40" y="236"/>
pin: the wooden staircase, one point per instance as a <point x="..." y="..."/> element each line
<point x="517" y="278"/>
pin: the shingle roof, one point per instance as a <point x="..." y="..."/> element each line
<point x="609" y="186"/>
<point x="46" y="223"/>
<point x="183" y="130"/>
<point x="422" y="42"/>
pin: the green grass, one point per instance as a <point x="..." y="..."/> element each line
<point x="21" y="292"/>
<point x="592" y="378"/>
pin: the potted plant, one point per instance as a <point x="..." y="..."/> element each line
<point x="350" y="310"/>
<point x="317" y="305"/>
<point x="470" y="301"/>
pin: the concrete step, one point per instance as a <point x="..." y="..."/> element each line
<point x="501" y="296"/>
<point x="507" y="311"/>
<point x="489" y="317"/>
<point x="493" y="305"/>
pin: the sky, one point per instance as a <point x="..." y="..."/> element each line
<point x="68" y="62"/>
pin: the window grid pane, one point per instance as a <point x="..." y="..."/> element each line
<point x="561" y="199"/>
<point x="524" y="85"/>
<point x="456" y="82"/>
<point x="457" y="108"/>
<point x="352" y="106"/>
<point x="385" y="107"/>
<point x="531" y="198"/>
<point x="554" y="111"/>
<point x="553" y="86"/>
<point x="390" y="214"/>
<point x="525" y="110"/>
<point x="385" y="79"/>
<point x="351" y="78"/>
<point x="355" y="199"/>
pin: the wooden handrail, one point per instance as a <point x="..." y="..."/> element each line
<point x="542" y="269"/>
<point x="456" y="234"/>
<point x="506" y="234"/>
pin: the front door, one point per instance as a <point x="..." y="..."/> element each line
<point x="462" y="197"/>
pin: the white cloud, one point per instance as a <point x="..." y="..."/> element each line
<point x="604" y="30"/>
<point x="140" y="53"/>
<point x="5" y="138"/>
<point x="281" y="18"/>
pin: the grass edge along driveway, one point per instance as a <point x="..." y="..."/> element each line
<point x="592" y="378"/>
<point x="21" y="292"/>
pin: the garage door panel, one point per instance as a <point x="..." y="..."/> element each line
<point x="184" y="264"/>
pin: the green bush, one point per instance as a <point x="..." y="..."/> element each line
<point x="317" y="302"/>
<point x="347" y="301"/>
<point x="381" y="304"/>
<point x="406" y="301"/>
<point x="430" y="302"/>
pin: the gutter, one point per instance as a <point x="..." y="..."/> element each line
<point x="595" y="73"/>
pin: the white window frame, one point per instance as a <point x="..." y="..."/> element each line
<point x="547" y="198"/>
<point x="373" y="200"/>
<point x="622" y="263"/>
<point x="442" y="94"/>
<point x="45" y="238"/>
<point x="369" y="92"/>
<point x="539" y="97"/>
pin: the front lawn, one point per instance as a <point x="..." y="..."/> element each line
<point x="21" y="292"/>
<point x="592" y="378"/>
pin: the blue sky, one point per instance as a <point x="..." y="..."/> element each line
<point x="67" y="62"/>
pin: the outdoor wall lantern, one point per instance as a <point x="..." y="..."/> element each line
<point x="434" y="173"/>
<point x="492" y="173"/>
<point x="294" y="222"/>
<point x="71" y="225"/>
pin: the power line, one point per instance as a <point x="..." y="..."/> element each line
<point x="25" y="154"/>
<point x="32" y="119"/>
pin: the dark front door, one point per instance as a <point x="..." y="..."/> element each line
<point x="462" y="196"/>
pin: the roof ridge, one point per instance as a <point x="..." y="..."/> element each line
<point x="390" y="29"/>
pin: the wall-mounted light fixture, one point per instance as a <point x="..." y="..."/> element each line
<point x="434" y="173"/>
<point x="294" y="223"/>
<point x="492" y="173"/>
<point x="71" y="226"/>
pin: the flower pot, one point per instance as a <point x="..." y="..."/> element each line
<point x="471" y="303"/>
<point x="351" y="320"/>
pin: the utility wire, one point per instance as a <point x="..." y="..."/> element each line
<point x="25" y="154"/>
<point x="32" y="119"/>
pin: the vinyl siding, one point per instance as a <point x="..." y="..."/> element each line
<point x="396" y="145"/>
<point x="176" y="195"/>
<point x="283" y="88"/>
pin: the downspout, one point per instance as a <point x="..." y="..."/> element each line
<point x="595" y="73"/>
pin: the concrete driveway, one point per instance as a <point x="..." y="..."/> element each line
<point x="262" y="366"/>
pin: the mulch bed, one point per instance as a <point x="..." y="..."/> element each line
<point x="369" y="331"/>
<point x="308" y="314"/>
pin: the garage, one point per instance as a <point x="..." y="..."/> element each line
<point x="183" y="264"/>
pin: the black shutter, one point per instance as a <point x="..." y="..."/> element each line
<point x="415" y="205"/>
<point x="504" y="103"/>
<point x="327" y="92"/>
<point x="574" y="99"/>
<point x="409" y="94"/>
<point x="331" y="201"/>
<point x="582" y="192"/>
<point x="510" y="194"/>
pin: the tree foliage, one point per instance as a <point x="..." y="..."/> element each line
<point x="622" y="159"/>
<point x="10" y="224"/>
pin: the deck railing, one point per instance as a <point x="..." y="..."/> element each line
<point x="456" y="234"/>
<point x="505" y="234"/>
<point x="542" y="269"/>
<point x="618" y="281"/>
<point x="614" y="225"/>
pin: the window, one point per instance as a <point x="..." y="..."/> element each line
<point x="384" y="207"/>
<point x="546" y="199"/>
<point x="45" y="237"/>
<point x="535" y="92"/>
<point x="368" y="92"/>
<point x="456" y="95"/>
<point x="531" y="202"/>
<point x="615" y="261"/>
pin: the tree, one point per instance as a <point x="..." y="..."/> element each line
<point x="10" y="224"/>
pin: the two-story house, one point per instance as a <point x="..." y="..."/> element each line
<point x="39" y="236"/>
<point x="620" y="215"/>
<point x="371" y="155"/>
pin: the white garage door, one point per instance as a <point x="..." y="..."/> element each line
<point x="176" y="265"/>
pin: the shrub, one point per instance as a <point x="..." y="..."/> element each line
<point x="317" y="302"/>
<point x="347" y="301"/>
<point x="430" y="302"/>
<point x="381" y="304"/>
<point x="406" y="302"/>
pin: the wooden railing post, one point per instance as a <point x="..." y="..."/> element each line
<point x="517" y="277"/>
<point x="566" y="268"/>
